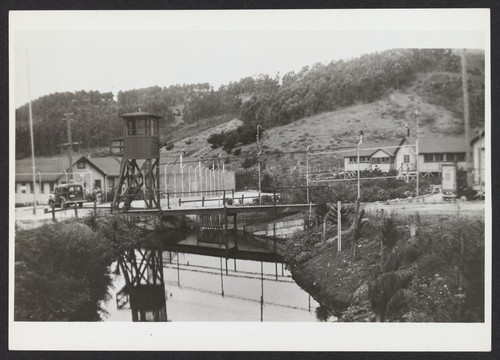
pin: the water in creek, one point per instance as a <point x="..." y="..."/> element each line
<point x="195" y="287"/>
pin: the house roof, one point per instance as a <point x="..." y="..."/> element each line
<point x="370" y="148"/>
<point x="478" y="136"/>
<point x="435" y="144"/>
<point x="108" y="165"/>
<point x="140" y="114"/>
<point x="51" y="168"/>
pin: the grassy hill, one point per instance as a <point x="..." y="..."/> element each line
<point x="437" y="97"/>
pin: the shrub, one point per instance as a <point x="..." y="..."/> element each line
<point x="61" y="273"/>
<point x="249" y="162"/>
<point x="216" y="139"/>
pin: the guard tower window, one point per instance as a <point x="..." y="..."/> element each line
<point x="131" y="127"/>
<point x="140" y="127"/>
<point x="153" y="127"/>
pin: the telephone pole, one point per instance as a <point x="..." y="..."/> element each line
<point x="67" y="118"/>
<point x="31" y="136"/>
<point x="258" y="156"/>
<point x="465" y="90"/>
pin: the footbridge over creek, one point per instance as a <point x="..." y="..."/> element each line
<point x="221" y="223"/>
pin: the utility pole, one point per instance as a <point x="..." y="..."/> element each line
<point x="359" y="143"/>
<point x="258" y="156"/>
<point x="31" y="136"/>
<point x="416" y="150"/>
<point x="465" y="90"/>
<point x="307" y="173"/>
<point x="67" y="118"/>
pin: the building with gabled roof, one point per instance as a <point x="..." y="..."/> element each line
<point x="373" y="156"/>
<point x="51" y="171"/>
<point x="433" y="152"/>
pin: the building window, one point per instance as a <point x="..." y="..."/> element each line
<point x="460" y="157"/>
<point x="140" y="127"/>
<point x="80" y="164"/>
<point x="131" y="127"/>
<point x="51" y="186"/>
<point x="406" y="159"/>
<point x="23" y="188"/>
<point x="32" y="188"/>
<point x="381" y="160"/>
<point x="42" y="187"/>
<point x="428" y="157"/>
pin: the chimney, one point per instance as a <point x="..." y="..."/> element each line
<point x="407" y="130"/>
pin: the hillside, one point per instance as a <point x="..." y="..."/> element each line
<point x="381" y="120"/>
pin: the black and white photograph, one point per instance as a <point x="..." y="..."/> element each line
<point x="250" y="180"/>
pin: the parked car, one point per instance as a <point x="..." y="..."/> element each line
<point x="67" y="194"/>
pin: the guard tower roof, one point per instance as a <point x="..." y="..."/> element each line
<point x="139" y="113"/>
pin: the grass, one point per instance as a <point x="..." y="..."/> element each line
<point x="382" y="120"/>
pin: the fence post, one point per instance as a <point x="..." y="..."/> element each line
<point x="203" y="201"/>
<point x="339" y="226"/>
<point x="95" y="206"/>
<point x="180" y="202"/>
<point x="53" y="212"/>
<point x="232" y="195"/>
<point x="76" y="211"/>
<point x="168" y="201"/>
<point x="224" y="197"/>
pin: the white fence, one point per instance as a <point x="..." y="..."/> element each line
<point x="195" y="181"/>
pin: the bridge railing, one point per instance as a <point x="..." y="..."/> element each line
<point x="287" y="195"/>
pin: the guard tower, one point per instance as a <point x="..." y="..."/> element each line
<point x="139" y="170"/>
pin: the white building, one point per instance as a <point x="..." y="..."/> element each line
<point x="373" y="156"/>
<point x="52" y="171"/>
<point x="478" y="161"/>
<point x="433" y="152"/>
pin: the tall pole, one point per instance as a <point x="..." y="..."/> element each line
<point x="359" y="143"/>
<point x="465" y="90"/>
<point x="67" y="118"/>
<point x="258" y="155"/>
<point x="31" y="135"/>
<point x="201" y="177"/>
<point x="307" y="173"/>
<point x="416" y="150"/>
<point x="182" y="176"/>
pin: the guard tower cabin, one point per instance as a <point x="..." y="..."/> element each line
<point x="139" y="170"/>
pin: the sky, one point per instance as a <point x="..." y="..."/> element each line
<point x="113" y="51"/>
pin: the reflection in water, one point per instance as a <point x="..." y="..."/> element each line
<point x="144" y="286"/>
<point x="167" y="284"/>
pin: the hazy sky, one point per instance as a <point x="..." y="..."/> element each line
<point x="113" y="51"/>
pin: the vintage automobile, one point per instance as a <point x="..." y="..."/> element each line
<point x="67" y="194"/>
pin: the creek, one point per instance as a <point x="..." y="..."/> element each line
<point x="193" y="286"/>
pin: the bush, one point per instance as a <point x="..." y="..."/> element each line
<point x="249" y="162"/>
<point x="61" y="273"/>
<point x="216" y="139"/>
<point x="230" y="141"/>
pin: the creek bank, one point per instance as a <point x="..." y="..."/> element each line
<point x="329" y="276"/>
